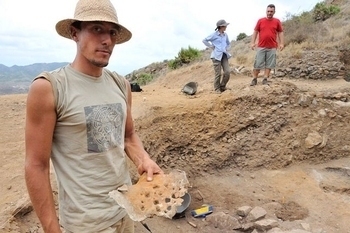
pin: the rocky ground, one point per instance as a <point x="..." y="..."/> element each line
<point x="269" y="158"/>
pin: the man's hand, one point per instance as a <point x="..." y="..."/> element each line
<point x="150" y="167"/>
<point x="252" y="46"/>
<point x="281" y="47"/>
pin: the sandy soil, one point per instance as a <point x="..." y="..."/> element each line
<point x="284" y="147"/>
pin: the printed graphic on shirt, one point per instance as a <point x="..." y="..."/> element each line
<point x="104" y="126"/>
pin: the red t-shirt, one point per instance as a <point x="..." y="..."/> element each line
<point x="268" y="29"/>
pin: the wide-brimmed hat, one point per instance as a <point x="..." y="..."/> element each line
<point x="222" y="22"/>
<point x="93" y="10"/>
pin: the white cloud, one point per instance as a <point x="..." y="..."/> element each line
<point x="160" y="28"/>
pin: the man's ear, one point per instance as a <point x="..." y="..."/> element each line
<point x="73" y="33"/>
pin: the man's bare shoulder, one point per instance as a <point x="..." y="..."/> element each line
<point x="40" y="89"/>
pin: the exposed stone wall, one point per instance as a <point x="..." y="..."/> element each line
<point x="312" y="65"/>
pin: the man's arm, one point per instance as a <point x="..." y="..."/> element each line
<point x="281" y="40"/>
<point x="134" y="147"/>
<point x="40" y="123"/>
<point x="254" y="36"/>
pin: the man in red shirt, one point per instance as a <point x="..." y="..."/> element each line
<point x="270" y="36"/>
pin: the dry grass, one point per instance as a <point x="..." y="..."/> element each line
<point x="241" y="59"/>
<point x="294" y="51"/>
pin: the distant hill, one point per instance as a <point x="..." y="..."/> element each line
<point x="16" y="79"/>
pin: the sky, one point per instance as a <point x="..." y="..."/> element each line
<point x="160" y="28"/>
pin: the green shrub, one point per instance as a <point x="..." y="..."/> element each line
<point x="188" y="55"/>
<point x="174" y="64"/>
<point x="305" y="18"/>
<point x="241" y="36"/>
<point x="322" y="12"/>
<point x="144" y="78"/>
<point x="184" y="56"/>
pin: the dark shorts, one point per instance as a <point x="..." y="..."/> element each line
<point x="265" y="58"/>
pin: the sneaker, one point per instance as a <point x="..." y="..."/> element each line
<point x="264" y="82"/>
<point x="254" y="82"/>
<point x="218" y="91"/>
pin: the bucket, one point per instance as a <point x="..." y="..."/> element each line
<point x="190" y="88"/>
<point x="180" y="210"/>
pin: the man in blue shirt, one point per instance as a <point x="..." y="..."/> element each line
<point x="219" y="42"/>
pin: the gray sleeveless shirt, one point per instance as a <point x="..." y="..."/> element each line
<point x="88" y="147"/>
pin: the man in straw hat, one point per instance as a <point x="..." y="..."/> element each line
<point x="220" y="44"/>
<point x="79" y="116"/>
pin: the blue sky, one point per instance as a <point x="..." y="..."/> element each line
<point x="160" y="28"/>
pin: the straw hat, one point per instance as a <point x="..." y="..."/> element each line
<point x="93" y="10"/>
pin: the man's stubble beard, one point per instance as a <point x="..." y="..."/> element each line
<point x="99" y="64"/>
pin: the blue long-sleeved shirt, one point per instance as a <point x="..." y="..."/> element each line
<point x="220" y="44"/>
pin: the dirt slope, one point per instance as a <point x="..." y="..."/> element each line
<point x="284" y="147"/>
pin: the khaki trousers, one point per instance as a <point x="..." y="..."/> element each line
<point x="125" y="225"/>
<point x="218" y="82"/>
